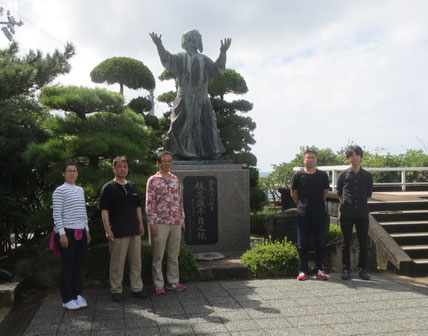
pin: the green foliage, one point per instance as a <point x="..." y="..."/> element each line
<point x="98" y="260"/>
<point x="22" y="188"/>
<point x="168" y="98"/>
<point x="258" y="220"/>
<point x="272" y="258"/>
<point x="81" y="100"/>
<point x="140" y="105"/>
<point x="334" y="233"/>
<point x="230" y="82"/>
<point x="125" y="71"/>
<point x="25" y="75"/>
<point x="258" y="198"/>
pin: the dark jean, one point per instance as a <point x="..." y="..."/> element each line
<point x="308" y="226"/>
<point x="362" y="228"/>
<point x="71" y="283"/>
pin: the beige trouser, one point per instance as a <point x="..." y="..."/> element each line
<point x="168" y="236"/>
<point x="119" y="249"/>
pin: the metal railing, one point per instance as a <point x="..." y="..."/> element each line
<point x="334" y="171"/>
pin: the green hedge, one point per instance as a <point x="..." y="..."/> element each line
<point x="272" y="258"/>
<point x="335" y="233"/>
<point x="258" y="220"/>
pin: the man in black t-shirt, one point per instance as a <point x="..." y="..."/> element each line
<point x="309" y="189"/>
<point x="123" y="223"/>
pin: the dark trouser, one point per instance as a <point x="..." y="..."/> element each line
<point x="306" y="227"/>
<point x="71" y="283"/>
<point x="362" y="227"/>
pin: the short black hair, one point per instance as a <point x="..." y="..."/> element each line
<point x="162" y="154"/>
<point x="119" y="159"/>
<point x="310" y="151"/>
<point x="354" y="149"/>
<point x="69" y="163"/>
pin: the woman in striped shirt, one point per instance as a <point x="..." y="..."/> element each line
<point x="72" y="234"/>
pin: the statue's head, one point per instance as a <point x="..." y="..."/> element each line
<point x="192" y="40"/>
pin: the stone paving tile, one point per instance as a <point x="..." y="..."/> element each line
<point x="283" y="332"/>
<point x="256" y="307"/>
<point x="176" y="329"/>
<point x="171" y="320"/>
<point x="235" y="315"/>
<point x="41" y="329"/>
<point x="317" y="330"/>
<point x="273" y="323"/>
<point x="147" y="331"/>
<point x="108" y="325"/>
<point x="412" y="324"/>
<point x="382" y="326"/>
<point x="350" y="329"/>
<point x="208" y="328"/>
<point x="242" y="325"/>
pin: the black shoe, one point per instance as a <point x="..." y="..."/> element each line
<point x="364" y="275"/>
<point x="116" y="297"/>
<point x="346" y="275"/>
<point x="140" y="295"/>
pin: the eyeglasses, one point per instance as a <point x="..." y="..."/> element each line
<point x="71" y="170"/>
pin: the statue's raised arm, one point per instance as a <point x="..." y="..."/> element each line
<point x="225" y="44"/>
<point x="157" y="39"/>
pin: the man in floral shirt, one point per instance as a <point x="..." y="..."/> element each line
<point x="165" y="215"/>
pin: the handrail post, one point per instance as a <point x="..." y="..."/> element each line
<point x="403" y="180"/>
<point x="333" y="180"/>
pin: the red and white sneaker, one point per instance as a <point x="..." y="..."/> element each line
<point x="302" y="276"/>
<point x="176" y="287"/>
<point x="160" y="290"/>
<point x="320" y="275"/>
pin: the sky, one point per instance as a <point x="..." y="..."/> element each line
<point x="325" y="73"/>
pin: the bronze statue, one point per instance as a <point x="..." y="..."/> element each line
<point x="193" y="133"/>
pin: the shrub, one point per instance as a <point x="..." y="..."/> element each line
<point x="272" y="258"/>
<point x="258" y="220"/>
<point x="335" y="233"/>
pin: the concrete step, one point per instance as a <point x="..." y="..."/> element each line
<point x="405" y="215"/>
<point x="412" y="238"/>
<point x="398" y="205"/>
<point x="416" y="251"/>
<point x="405" y="226"/>
<point x="420" y="267"/>
<point x="225" y="269"/>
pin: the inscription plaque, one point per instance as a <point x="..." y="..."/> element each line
<point x="200" y="208"/>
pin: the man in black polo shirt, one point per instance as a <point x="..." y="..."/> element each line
<point x="309" y="189"/>
<point x="123" y="223"/>
<point x="354" y="188"/>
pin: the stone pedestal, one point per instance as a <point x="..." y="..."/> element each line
<point x="217" y="206"/>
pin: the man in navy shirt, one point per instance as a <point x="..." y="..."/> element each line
<point x="354" y="187"/>
<point x="309" y="189"/>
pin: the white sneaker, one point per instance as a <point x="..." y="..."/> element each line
<point x="81" y="302"/>
<point x="71" y="305"/>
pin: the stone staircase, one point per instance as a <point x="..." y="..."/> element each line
<point x="407" y="224"/>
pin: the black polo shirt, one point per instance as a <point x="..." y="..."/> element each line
<point x="122" y="202"/>
<point x="354" y="190"/>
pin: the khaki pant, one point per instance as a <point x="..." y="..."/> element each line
<point x="168" y="236"/>
<point x="122" y="247"/>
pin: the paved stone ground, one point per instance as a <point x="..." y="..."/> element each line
<point x="254" y="307"/>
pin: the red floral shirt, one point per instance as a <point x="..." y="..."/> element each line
<point x="164" y="200"/>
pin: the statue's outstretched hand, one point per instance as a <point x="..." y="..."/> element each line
<point x="225" y="44"/>
<point x="156" y="39"/>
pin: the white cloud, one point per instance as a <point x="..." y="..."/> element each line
<point x="319" y="72"/>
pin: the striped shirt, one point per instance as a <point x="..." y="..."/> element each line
<point x="69" y="209"/>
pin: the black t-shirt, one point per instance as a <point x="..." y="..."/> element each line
<point x="122" y="202"/>
<point x="310" y="188"/>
